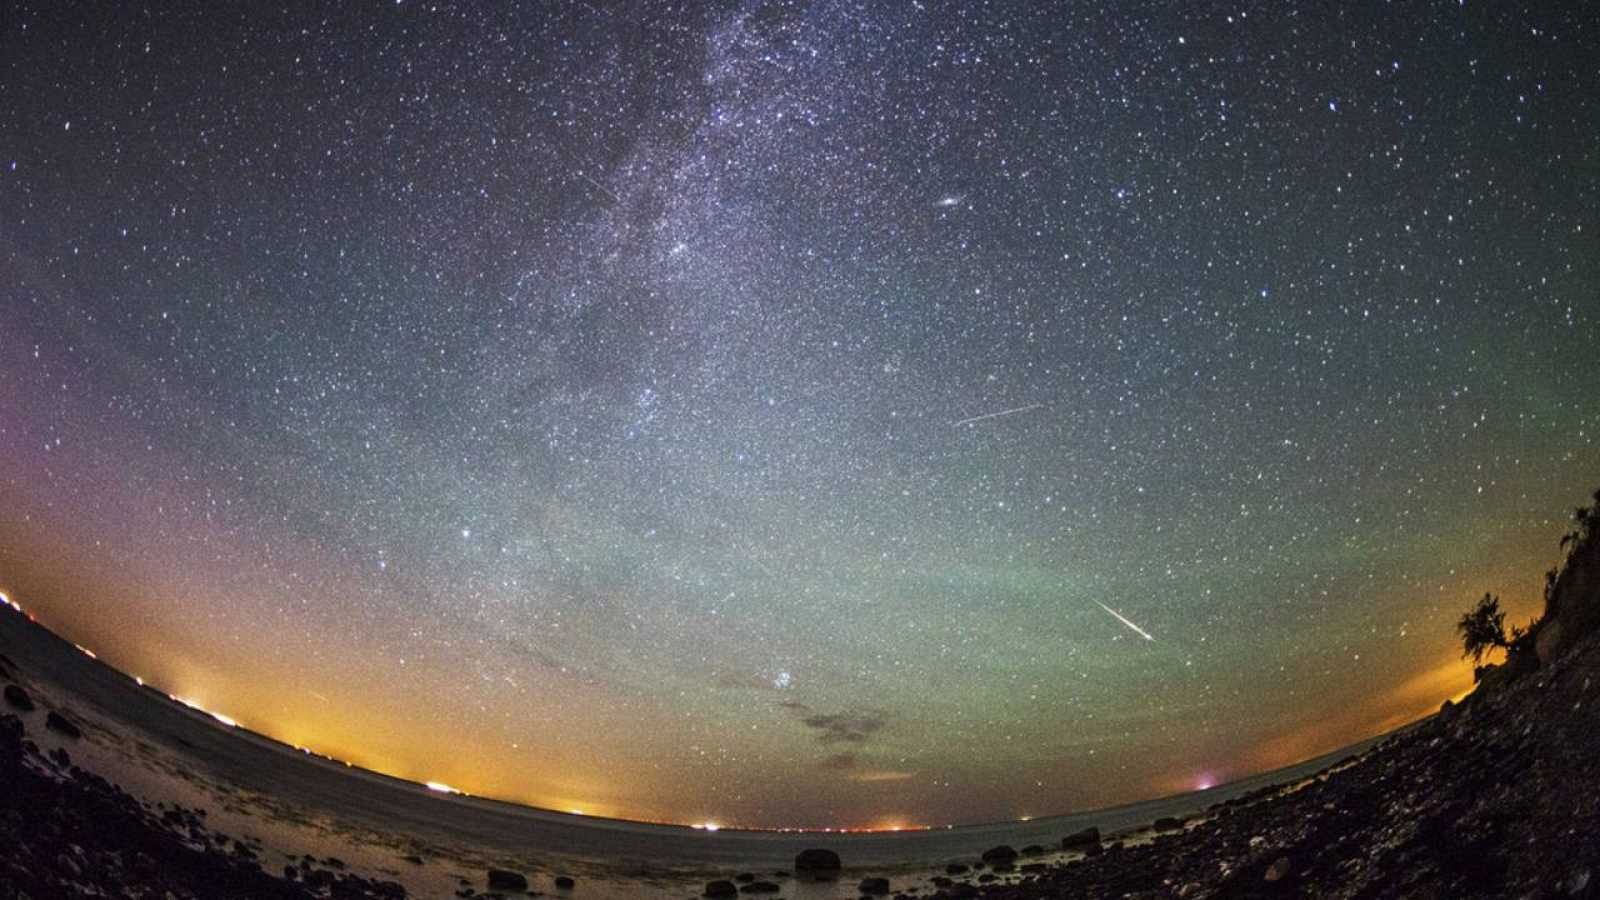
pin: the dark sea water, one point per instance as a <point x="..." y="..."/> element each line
<point x="297" y="803"/>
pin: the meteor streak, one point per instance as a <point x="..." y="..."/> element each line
<point x="996" y="415"/>
<point x="1124" y="620"/>
<point x="600" y="187"/>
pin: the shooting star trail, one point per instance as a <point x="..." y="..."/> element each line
<point x="600" y="187"/>
<point x="996" y="415"/>
<point x="576" y="167"/>
<point x="1124" y="620"/>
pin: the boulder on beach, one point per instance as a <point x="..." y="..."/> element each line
<point x="720" y="889"/>
<point x="1003" y="854"/>
<point x="956" y="869"/>
<point x="565" y="882"/>
<point x="1167" y="823"/>
<point x="18" y="698"/>
<point x="817" y="863"/>
<point x="62" y="725"/>
<point x="1079" y="840"/>
<point x="873" y="887"/>
<point x="503" y="880"/>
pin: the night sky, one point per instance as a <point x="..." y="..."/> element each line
<point x="796" y="414"/>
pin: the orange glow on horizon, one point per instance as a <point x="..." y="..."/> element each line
<point x="1408" y="701"/>
<point x="1415" y="698"/>
<point x="344" y="733"/>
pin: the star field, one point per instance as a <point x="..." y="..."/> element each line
<point x="796" y="414"/>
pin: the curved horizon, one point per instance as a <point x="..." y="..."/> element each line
<point x="1215" y="793"/>
<point x="795" y="412"/>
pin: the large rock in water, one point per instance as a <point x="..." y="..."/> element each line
<point x="721" y="889"/>
<point x="502" y="880"/>
<point x="19" y="698"/>
<point x="61" y="724"/>
<point x="873" y="887"/>
<point x="817" y="863"/>
<point x="1000" y="855"/>
<point x="1079" y="840"/>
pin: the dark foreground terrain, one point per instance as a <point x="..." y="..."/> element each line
<point x="69" y="833"/>
<point x="1496" y="797"/>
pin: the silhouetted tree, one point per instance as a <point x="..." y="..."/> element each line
<point x="1483" y="629"/>
<point x="1585" y="529"/>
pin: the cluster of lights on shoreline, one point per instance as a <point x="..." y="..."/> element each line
<point x="194" y="705"/>
<point x="439" y="787"/>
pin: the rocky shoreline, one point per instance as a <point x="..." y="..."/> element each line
<point x="69" y="833"/>
<point x="1494" y="797"/>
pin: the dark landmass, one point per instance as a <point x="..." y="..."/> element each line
<point x="1495" y="797"/>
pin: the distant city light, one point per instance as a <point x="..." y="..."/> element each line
<point x="440" y="787"/>
<point x="226" y="720"/>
